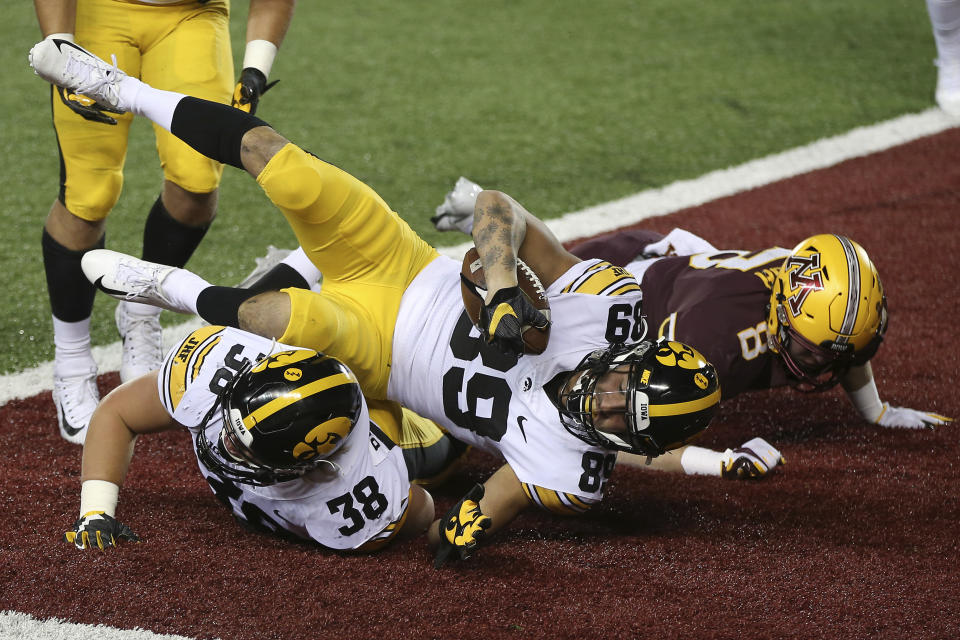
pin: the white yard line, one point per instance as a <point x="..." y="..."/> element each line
<point x="20" y="626"/>
<point x="619" y="213"/>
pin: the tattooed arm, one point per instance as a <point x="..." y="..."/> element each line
<point x="503" y="231"/>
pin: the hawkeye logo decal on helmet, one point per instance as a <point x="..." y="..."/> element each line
<point x="677" y="354"/>
<point x="700" y="380"/>
<point x="283" y="359"/>
<point x="807" y="277"/>
<point x="332" y="431"/>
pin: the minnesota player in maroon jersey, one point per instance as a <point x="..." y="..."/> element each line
<point x="811" y="317"/>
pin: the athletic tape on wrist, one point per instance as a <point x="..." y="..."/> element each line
<point x="700" y="461"/>
<point x="98" y="495"/>
<point x="866" y="399"/>
<point x="260" y="54"/>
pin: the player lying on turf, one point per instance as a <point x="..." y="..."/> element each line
<point x="811" y="317"/>
<point x="284" y="438"/>
<point x="390" y="309"/>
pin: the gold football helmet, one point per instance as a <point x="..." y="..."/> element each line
<point x="827" y="310"/>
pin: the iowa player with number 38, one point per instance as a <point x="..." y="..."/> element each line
<point x="391" y="309"/>
<point x="283" y="436"/>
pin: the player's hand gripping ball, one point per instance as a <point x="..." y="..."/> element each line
<point x="529" y="298"/>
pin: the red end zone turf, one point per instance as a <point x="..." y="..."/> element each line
<point x="856" y="537"/>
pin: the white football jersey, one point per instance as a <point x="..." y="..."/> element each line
<point x="357" y="500"/>
<point x="443" y="370"/>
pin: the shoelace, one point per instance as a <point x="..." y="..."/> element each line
<point x="143" y="336"/>
<point x="76" y="390"/>
<point x="96" y="77"/>
<point x="141" y="281"/>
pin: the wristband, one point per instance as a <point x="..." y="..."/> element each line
<point x="259" y="54"/>
<point x="98" y="495"/>
<point x="700" y="461"/>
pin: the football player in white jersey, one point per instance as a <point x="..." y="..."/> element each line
<point x="282" y="435"/>
<point x="390" y="308"/>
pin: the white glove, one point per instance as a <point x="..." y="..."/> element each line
<point x="909" y="418"/>
<point x="456" y="212"/>
<point x="753" y="460"/>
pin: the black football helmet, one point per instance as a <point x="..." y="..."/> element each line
<point x="670" y="395"/>
<point x="282" y="417"/>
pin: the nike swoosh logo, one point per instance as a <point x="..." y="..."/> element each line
<point x="67" y="428"/>
<point x="520" y="421"/>
<point x="107" y="290"/>
<point x="277" y="513"/>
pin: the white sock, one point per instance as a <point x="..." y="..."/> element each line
<point x="140" y="309"/>
<point x="182" y="288"/>
<point x="141" y="99"/>
<point x="299" y="262"/>
<point x="73" y="354"/>
<point x="945" y="18"/>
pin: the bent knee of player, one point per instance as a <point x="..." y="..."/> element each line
<point x="257" y="148"/>
<point x="97" y="199"/>
<point x="266" y="314"/>
<point x="420" y="513"/>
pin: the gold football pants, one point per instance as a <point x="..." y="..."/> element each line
<point x="180" y="47"/>
<point x="368" y="256"/>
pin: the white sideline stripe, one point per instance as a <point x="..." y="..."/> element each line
<point x="19" y="626"/>
<point x="619" y="213"/>
<point x="756" y="173"/>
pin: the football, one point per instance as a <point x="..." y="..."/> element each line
<point x="473" y="288"/>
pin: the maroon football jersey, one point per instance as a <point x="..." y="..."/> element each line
<point x="717" y="303"/>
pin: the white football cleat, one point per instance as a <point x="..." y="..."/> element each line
<point x="456" y="211"/>
<point x="76" y="398"/>
<point x="274" y="257"/>
<point x="142" y="339"/>
<point x="948" y="86"/>
<point x="127" y="278"/>
<point x="68" y="65"/>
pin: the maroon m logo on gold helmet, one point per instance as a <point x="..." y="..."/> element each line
<point x="806" y="277"/>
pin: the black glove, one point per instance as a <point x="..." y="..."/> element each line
<point x="252" y="85"/>
<point x="502" y="321"/>
<point x="462" y="528"/>
<point x="97" y="529"/>
<point x="86" y="107"/>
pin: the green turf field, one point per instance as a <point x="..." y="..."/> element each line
<point x="563" y="104"/>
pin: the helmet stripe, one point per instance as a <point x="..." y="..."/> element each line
<point x="853" y="288"/>
<point x="681" y="408"/>
<point x="305" y="391"/>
